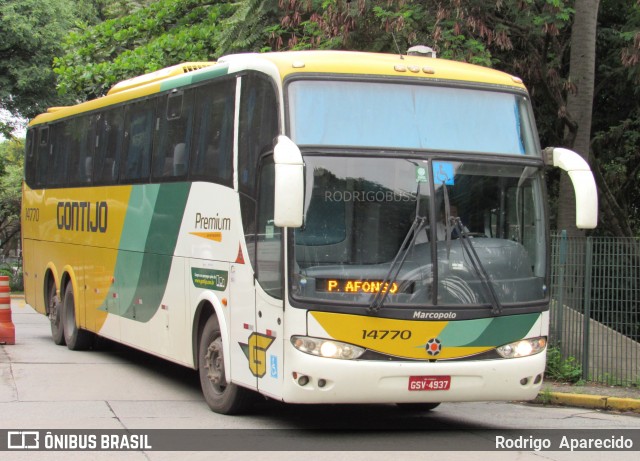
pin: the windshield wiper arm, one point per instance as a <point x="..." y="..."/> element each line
<point x="389" y="279"/>
<point x="409" y="241"/>
<point x="476" y="262"/>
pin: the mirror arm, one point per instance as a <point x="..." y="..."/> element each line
<point x="583" y="182"/>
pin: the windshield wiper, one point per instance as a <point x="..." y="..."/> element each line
<point x="476" y="262"/>
<point x="418" y="225"/>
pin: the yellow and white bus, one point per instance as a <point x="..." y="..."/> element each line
<point x="316" y="227"/>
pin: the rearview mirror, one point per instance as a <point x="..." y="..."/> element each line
<point x="583" y="182"/>
<point x="289" y="183"/>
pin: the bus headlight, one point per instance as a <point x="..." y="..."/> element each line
<point x="523" y="348"/>
<point x="326" y="348"/>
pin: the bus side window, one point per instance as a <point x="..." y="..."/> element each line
<point x="138" y="141"/>
<point x="258" y="127"/>
<point x="213" y="132"/>
<point x="61" y="140"/>
<point x="79" y="148"/>
<point x="42" y="153"/>
<point x="108" y="144"/>
<point x="30" y="161"/>
<point x="173" y="136"/>
<point x="269" y="237"/>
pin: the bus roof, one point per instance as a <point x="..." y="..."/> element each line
<point x="363" y="63"/>
<point x="289" y="63"/>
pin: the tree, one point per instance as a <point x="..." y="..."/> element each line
<point x="164" y="33"/>
<point x="538" y="40"/>
<point x="616" y="118"/>
<point x="11" y="166"/>
<point x="31" y="33"/>
<point x="579" y="102"/>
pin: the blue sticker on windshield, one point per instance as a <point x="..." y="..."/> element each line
<point x="443" y="173"/>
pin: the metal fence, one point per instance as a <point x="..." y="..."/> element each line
<point x="595" y="303"/>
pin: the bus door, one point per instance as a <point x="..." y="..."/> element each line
<point x="268" y="352"/>
<point x="242" y="321"/>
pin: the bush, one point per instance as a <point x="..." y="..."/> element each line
<point x="16" y="280"/>
<point x="561" y="369"/>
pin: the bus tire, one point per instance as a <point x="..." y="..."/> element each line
<point x="222" y="397"/>
<point x="54" y="311"/>
<point x="76" y="338"/>
<point x="418" y="406"/>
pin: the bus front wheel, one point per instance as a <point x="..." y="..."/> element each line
<point x="76" y="338"/>
<point x="221" y="396"/>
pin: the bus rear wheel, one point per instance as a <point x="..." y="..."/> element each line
<point x="221" y="396"/>
<point x="76" y="338"/>
<point x="54" y="310"/>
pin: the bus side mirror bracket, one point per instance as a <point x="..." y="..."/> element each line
<point x="289" y="183"/>
<point x="583" y="182"/>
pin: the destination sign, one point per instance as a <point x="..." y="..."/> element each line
<point x="357" y="286"/>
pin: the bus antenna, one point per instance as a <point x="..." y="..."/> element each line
<point x="397" y="47"/>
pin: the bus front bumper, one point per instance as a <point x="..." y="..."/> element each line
<point x="310" y="379"/>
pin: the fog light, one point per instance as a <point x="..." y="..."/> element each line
<point x="303" y="380"/>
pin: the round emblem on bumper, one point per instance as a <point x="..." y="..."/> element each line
<point x="433" y="346"/>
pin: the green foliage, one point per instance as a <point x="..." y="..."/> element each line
<point x="164" y="33"/>
<point x="616" y="118"/>
<point x="16" y="278"/>
<point x="249" y="27"/>
<point x="11" y="166"/>
<point x="31" y="32"/>
<point x="528" y="38"/>
<point x="561" y="369"/>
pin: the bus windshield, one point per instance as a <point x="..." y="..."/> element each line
<point x="360" y="210"/>
<point x="406" y="116"/>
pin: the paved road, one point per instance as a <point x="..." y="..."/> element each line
<point x="44" y="386"/>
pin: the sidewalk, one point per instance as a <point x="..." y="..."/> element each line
<point x="591" y="395"/>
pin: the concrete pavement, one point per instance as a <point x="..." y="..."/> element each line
<point x="25" y="318"/>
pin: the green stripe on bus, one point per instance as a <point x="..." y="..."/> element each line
<point x="137" y="221"/>
<point x="487" y="332"/>
<point x="462" y="333"/>
<point x="149" y="239"/>
<point x="503" y="330"/>
<point x="159" y="248"/>
<point x="190" y="78"/>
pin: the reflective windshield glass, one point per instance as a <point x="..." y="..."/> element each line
<point x="374" y="114"/>
<point x="359" y="211"/>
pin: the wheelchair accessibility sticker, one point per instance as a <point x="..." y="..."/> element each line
<point x="443" y="173"/>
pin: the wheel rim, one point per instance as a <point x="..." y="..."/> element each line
<point x="54" y="312"/>
<point x="214" y="364"/>
<point x="70" y="315"/>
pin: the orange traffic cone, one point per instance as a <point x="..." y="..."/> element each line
<point x="7" y="329"/>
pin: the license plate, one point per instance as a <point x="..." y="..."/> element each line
<point x="429" y="383"/>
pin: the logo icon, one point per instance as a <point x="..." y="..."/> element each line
<point x="433" y="346"/>
<point x="256" y="351"/>
<point x="23" y="440"/>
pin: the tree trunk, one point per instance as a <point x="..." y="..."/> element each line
<point x="579" y="103"/>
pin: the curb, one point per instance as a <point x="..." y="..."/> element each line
<point x="591" y="401"/>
